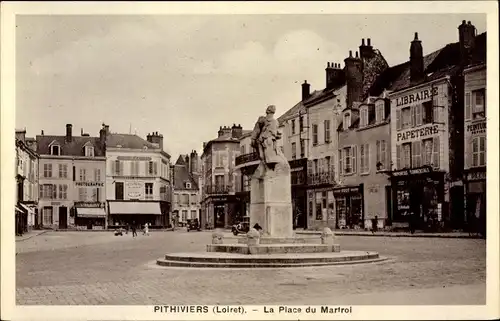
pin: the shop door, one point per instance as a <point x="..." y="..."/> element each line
<point x="388" y="202"/>
<point x="63" y="217"/>
<point x="220" y="216"/>
<point x="457" y="206"/>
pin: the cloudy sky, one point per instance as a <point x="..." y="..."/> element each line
<point x="185" y="76"/>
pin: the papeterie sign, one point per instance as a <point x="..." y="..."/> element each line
<point x="416" y="98"/>
<point x="416" y="134"/>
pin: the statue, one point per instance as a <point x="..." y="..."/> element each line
<point x="264" y="139"/>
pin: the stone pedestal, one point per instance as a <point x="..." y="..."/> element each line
<point x="271" y="201"/>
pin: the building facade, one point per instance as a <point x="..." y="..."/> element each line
<point x="186" y="199"/>
<point x="475" y="146"/>
<point x="138" y="180"/>
<point x="220" y="206"/>
<point x="71" y="181"/>
<point x="26" y="183"/>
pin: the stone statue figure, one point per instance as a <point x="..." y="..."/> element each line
<point x="264" y="139"/>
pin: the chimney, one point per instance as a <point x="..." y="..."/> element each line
<point x="193" y="166"/>
<point x="354" y="78"/>
<point x="69" y="134"/>
<point x="220" y="132"/>
<point x="366" y="51"/>
<point x="41" y="133"/>
<point x="335" y="76"/>
<point x="306" y="90"/>
<point x="236" y="131"/>
<point x="416" y="60"/>
<point x="155" y="138"/>
<point x="467" y="37"/>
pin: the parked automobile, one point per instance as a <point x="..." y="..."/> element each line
<point x="193" y="225"/>
<point x="242" y="227"/>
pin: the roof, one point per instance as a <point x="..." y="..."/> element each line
<point x="226" y="138"/>
<point x="73" y="148"/>
<point x="128" y="141"/>
<point x="291" y="112"/>
<point x="442" y="62"/>
<point x="181" y="176"/>
<point x="181" y="160"/>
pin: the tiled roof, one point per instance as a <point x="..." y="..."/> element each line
<point x="128" y="141"/>
<point x="181" y="176"/>
<point x="181" y="160"/>
<point x="73" y="148"/>
<point x="436" y="64"/>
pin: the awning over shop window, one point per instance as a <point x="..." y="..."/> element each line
<point x="27" y="208"/>
<point x="145" y="208"/>
<point x="19" y="210"/>
<point x="91" y="212"/>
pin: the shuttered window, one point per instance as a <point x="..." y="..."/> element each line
<point x="341" y="168"/>
<point x="435" y="152"/>
<point x="468" y="109"/>
<point x="398" y="119"/>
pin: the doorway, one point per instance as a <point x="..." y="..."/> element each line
<point x="220" y="216"/>
<point x="63" y="217"/>
<point x="119" y="190"/>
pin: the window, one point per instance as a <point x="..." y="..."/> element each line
<point x="149" y="190"/>
<point x="364" y="117"/>
<point x="83" y="174"/>
<point x="435" y="152"/>
<point x="185" y="199"/>
<point x="347" y="121"/>
<point x="188" y="185"/>
<point x="152" y="168"/>
<point x="316" y="166"/>
<point x="134" y="168"/>
<point x="294" y="150"/>
<point x="381" y="154"/>
<point x="55" y="150"/>
<point x="427" y="152"/>
<point x="364" y="158"/>
<point x="184" y="215"/>
<point x="428" y="112"/>
<point x="63" y="171"/>
<point x="242" y="149"/>
<point x="315" y="134"/>
<point x="406" y="155"/>
<point x="89" y="151"/>
<point x="319" y="213"/>
<point x="379" y="112"/>
<point x="406" y="117"/>
<point x="97" y="175"/>
<point x="327" y="131"/>
<point x="47" y="170"/>
<point x="479" y="104"/>
<point x="418" y="115"/>
<point x="47" y="216"/>
<point x="48" y="191"/>
<point x="193" y="199"/>
<point x="193" y="214"/>
<point x="302" y="148"/>
<point x="478" y="151"/>
<point x="63" y="192"/>
<point x="118" y="167"/>
<point x="416" y="156"/>
<point x="293" y="126"/>
<point x="219" y="181"/>
<point x="82" y="194"/>
<point x="301" y="124"/>
<point x="327" y="163"/>
<point x="349" y="161"/>
<point x="119" y="190"/>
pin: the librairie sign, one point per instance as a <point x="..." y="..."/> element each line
<point x="413" y="171"/>
<point x="416" y="98"/>
<point x="416" y="134"/>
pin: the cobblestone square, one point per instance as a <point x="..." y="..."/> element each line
<point x="97" y="268"/>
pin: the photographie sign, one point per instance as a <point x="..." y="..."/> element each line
<point x="89" y="184"/>
<point x="416" y="98"/>
<point x="135" y="189"/>
<point x="417" y="134"/>
<point x="477" y="128"/>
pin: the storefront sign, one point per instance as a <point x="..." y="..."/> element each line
<point x="477" y="128"/>
<point x="413" y="134"/>
<point x="416" y="98"/>
<point x="89" y="204"/>
<point x="134" y="158"/>
<point x="135" y="189"/>
<point x="347" y="190"/>
<point x="412" y="171"/>
<point x="55" y="203"/>
<point x="89" y="184"/>
<point x="475" y="176"/>
<point x="298" y="169"/>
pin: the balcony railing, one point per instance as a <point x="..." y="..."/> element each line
<point x="246" y="158"/>
<point x="327" y="177"/>
<point x="217" y="189"/>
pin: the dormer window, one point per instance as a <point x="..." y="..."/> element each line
<point x="364" y="116"/>
<point x="55" y="150"/>
<point x="89" y="151"/>
<point x="188" y="185"/>
<point x="347" y="121"/>
<point x="379" y="111"/>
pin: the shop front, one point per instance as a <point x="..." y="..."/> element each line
<point x="223" y="211"/>
<point x="349" y="206"/>
<point x="89" y="215"/>
<point x="475" y="199"/>
<point x="127" y="213"/>
<point x="298" y="178"/>
<point x="418" y="195"/>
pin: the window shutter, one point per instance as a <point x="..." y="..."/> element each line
<point x="379" y="151"/>
<point x="468" y="111"/>
<point x="418" y="115"/>
<point x="436" y="108"/>
<point x="354" y="154"/>
<point x="386" y="160"/>
<point x="155" y="168"/>
<point x="341" y="168"/>
<point x="435" y="154"/>
<point x="398" y="156"/>
<point x="398" y="119"/>
<point x="309" y="167"/>
<point x="412" y="156"/>
<point x="412" y="115"/>
<point x="367" y="163"/>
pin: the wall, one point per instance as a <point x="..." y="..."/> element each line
<point x="289" y="138"/>
<point x="474" y="80"/>
<point x="194" y="203"/>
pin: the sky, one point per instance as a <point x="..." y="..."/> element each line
<point x="184" y="76"/>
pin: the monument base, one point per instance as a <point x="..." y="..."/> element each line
<point x="273" y="248"/>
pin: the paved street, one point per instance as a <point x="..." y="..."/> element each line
<point x="93" y="268"/>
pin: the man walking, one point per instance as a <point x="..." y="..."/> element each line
<point x="134" y="230"/>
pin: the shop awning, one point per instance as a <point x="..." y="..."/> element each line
<point x="92" y="212"/>
<point x="27" y="208"/>
<point x="142" y="208"/>
<point x="19" y="210"/>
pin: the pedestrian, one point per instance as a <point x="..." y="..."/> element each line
<point x="127" y="227"/>
<point x="146" y="229"/>
<point x="134" y="230"/>
<point x="412" y="222"/>
<point x="374" y="224"/>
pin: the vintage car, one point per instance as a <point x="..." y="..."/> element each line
<point x="241" y="227"/>
<point x="193" y="224"/>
